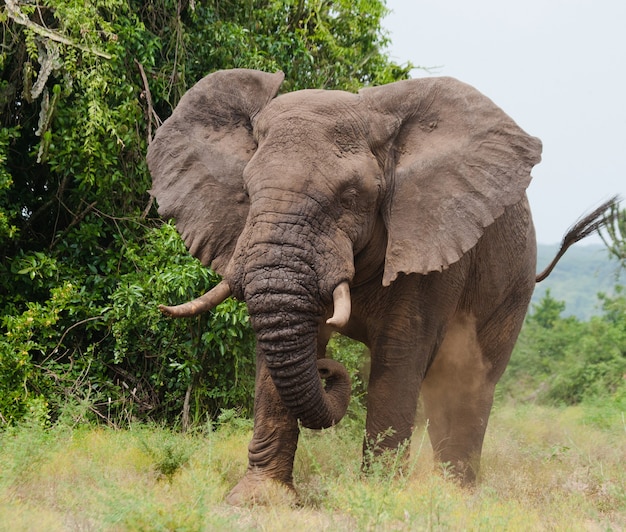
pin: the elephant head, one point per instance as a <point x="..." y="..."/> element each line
<point x="294" y="198"/>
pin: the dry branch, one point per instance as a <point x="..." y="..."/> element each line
<point x="16" y="14"/>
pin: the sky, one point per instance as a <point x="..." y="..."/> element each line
<point x="557" y="67"/>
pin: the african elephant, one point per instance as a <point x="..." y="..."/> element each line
<point x="396" y="216"/>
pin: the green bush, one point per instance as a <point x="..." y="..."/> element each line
<point x="566" y="361"/>
<point x="207" y="361"/>
<point x="85" y="259"/>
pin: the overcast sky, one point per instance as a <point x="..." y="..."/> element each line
<point x="558" y="67"/>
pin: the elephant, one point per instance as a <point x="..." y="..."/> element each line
<point x="396" y="216"/>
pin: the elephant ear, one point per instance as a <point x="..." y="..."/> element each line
<point x="198" y="155"/>
<point x="455" y="162"/>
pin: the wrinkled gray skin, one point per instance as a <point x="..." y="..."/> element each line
<point x="413" y="193"/>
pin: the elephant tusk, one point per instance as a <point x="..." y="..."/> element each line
<point x="343" y="306"/>
<point x="204" y="303"/>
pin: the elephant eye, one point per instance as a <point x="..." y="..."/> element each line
<point x="349" y="198"/>
<point x="243" y="196"/>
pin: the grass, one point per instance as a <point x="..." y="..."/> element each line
<point x="543" y="469"/>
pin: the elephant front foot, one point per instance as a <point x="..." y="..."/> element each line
<point x="257" y="488"/>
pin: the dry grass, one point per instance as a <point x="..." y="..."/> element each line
<point x="543" y="469"/>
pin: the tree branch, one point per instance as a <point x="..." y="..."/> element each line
<point x="148" y="95"/>
<point x="79" y="218"/>
<point x="14" y="12"/>
<point x="82" y="322"/>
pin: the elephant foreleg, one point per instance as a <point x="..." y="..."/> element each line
<point x="392" y="400"/>
<point x="272" y="449"/>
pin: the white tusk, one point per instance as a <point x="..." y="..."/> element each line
<point x="204" y="303"/>
<point x="342" y="304"/>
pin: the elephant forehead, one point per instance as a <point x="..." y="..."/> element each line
<point x="305" y="121"/>
<point x="313" y="110"/>
<point x="314" y="99"/>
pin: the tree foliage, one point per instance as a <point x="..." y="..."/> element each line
<point x="85" y="261"/>
<point x="614" y="234"/>
<point x="566" y="361"/>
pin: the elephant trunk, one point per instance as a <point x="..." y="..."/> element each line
<point x="286" y="316"/>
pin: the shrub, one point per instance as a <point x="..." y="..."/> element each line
<point x="566" y="361"/>
<point x="85" y="259"/>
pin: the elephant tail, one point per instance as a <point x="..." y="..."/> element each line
<point x="594" y="221"/>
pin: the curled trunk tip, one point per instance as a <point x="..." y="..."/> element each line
<point x="202" y="304"/>
<point x="337" y="387"/>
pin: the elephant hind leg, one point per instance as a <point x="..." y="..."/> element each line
<point x="457" y="394"/>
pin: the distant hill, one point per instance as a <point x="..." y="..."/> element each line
<point x="580" y="275"/>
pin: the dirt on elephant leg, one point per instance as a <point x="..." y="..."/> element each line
<point x="256" y="488"/>
<point x="384" y="456"/>
<point x="461" y="471"/>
